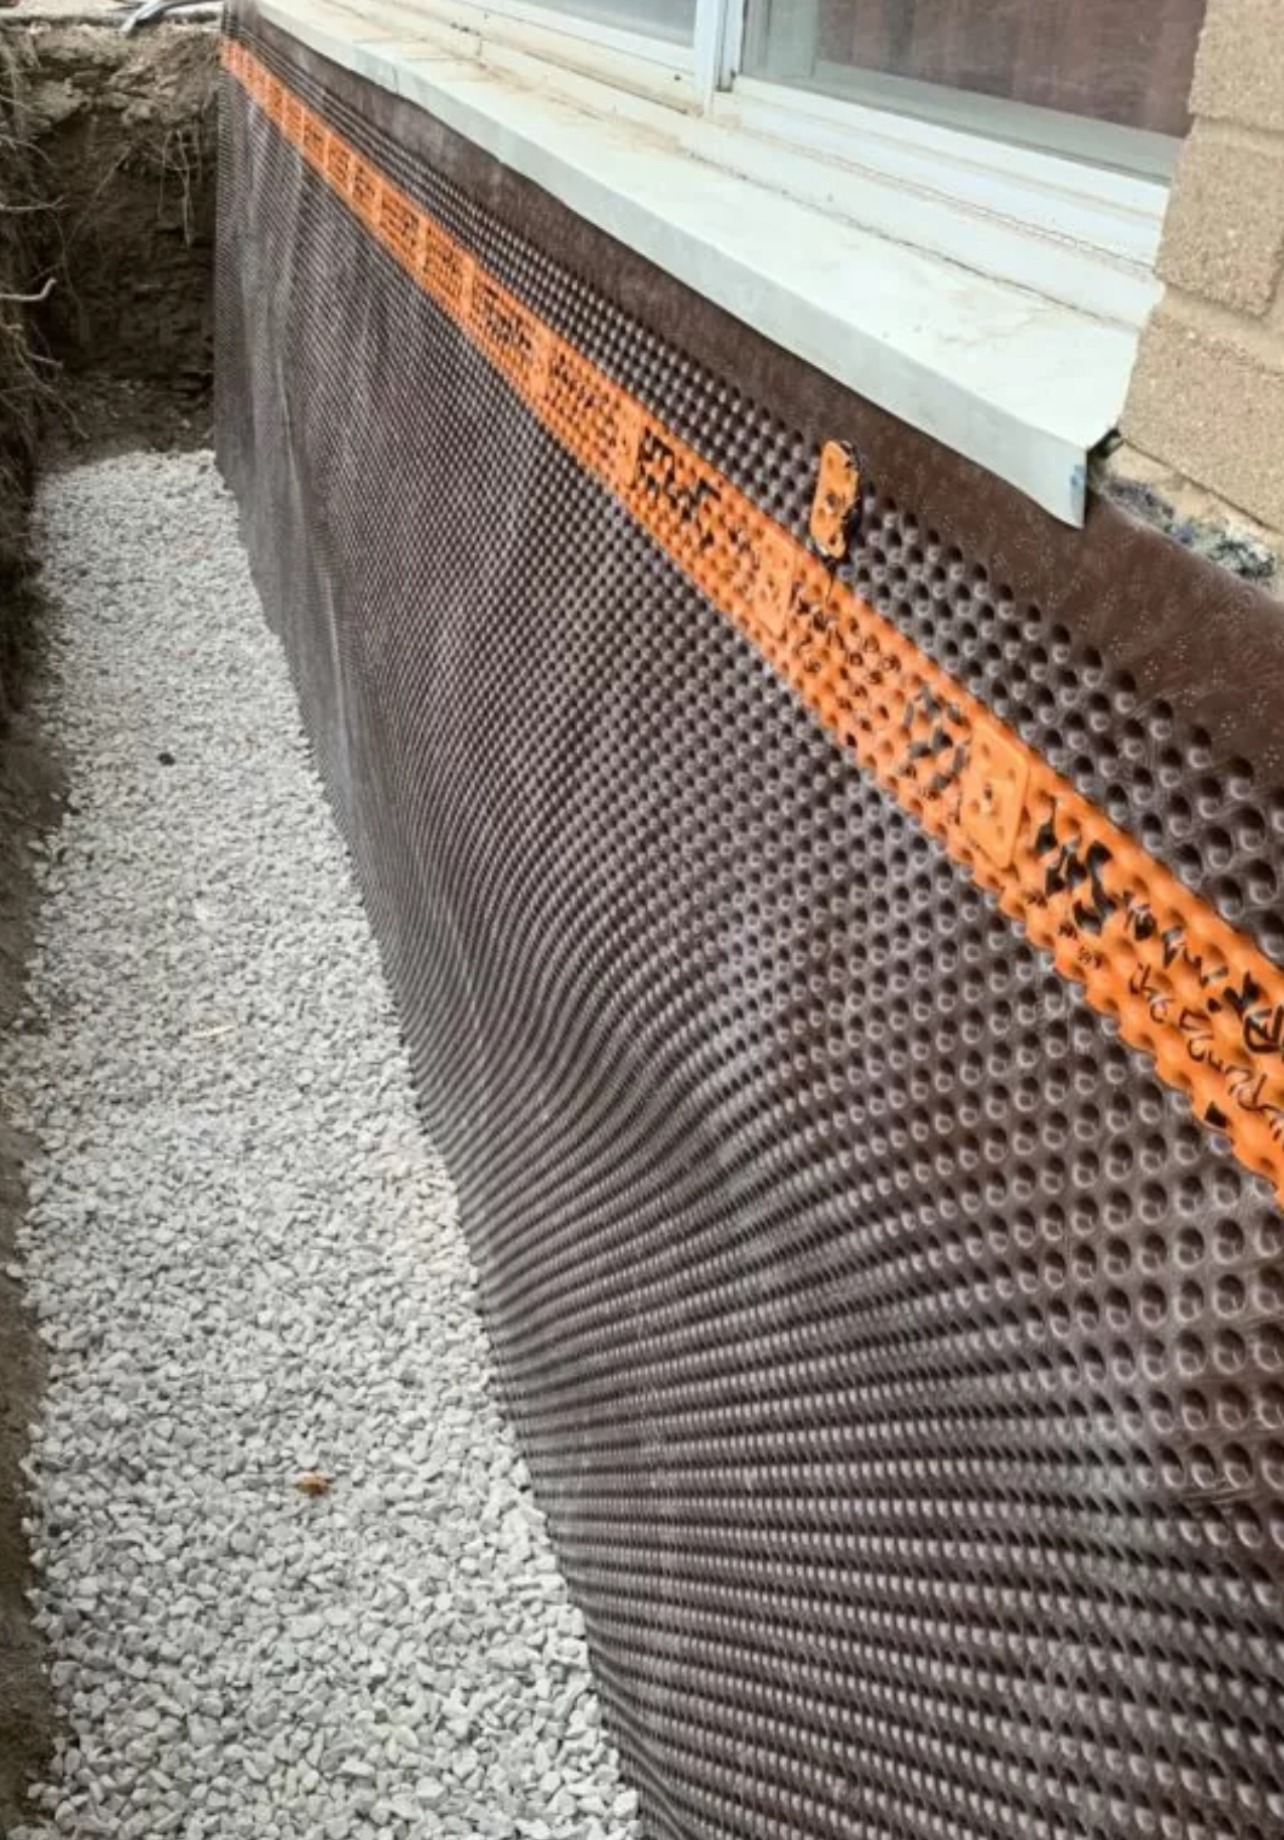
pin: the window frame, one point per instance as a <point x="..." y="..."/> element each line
<point x="1083" y="232"/>
<point x="699" y="70"/>
<point x="510" y="33"/>
<point x="978" y="154"/>
<point x="694" y="75"/>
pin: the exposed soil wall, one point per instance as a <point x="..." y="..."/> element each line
<point x="24" y="782"/>
<point x="125" y="131"/>
<point x="21" y="382"/>
<point x="107" y="163"/>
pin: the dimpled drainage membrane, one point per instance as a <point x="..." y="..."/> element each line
<point x="899" y="1362"/>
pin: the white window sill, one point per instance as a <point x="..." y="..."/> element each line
<point x="1011" y="347"/>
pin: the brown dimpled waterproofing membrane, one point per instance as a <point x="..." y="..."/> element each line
<point x="848" y="994"/>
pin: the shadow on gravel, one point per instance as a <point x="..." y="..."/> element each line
<point x="29" y="803"/>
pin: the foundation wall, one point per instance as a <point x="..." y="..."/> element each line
<point x="848" y="995"/>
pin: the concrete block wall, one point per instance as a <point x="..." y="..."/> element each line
<point x="1207" y="394"/>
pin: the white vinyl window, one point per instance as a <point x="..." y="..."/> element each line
<point x="1102" y="81"/>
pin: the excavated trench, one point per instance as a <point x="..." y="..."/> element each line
<point x="107" y="170"/>
<point x="270" y="1561"/>
<point x="257" y="1494"/>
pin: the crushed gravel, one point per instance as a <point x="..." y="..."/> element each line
<point x="291" y="1576"/>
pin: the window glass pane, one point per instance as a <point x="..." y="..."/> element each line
<point x="671" y="19"/>
<point x="1123" y="62"/>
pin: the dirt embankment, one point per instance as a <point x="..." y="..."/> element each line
<point x="124" y="132"/>
<point x="107" y="164"/>
<point x="25" y="791"/>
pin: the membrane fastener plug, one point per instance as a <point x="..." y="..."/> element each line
<point x="833" y="509"/>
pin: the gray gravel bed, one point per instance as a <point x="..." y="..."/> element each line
<point x="291" y="1575"/>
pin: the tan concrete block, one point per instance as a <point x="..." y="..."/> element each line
<point x="1212" y="405"/>
<point x="1239" y="73"/>
<point x="1224" y="232"/>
